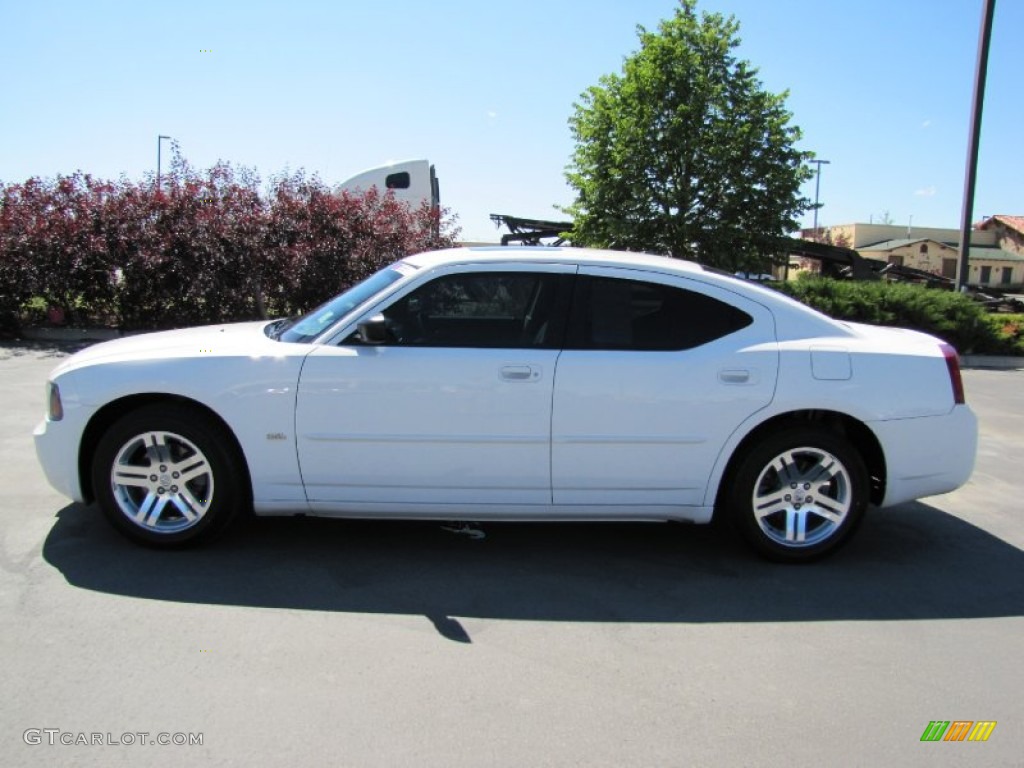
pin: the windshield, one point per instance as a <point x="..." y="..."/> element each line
<point x="309" y="326"/>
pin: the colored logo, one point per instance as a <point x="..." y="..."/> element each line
<point x="958" y="730"/>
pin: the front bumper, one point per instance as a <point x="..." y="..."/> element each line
<point x="57" y="442"/>
<point x="57" y="451"/>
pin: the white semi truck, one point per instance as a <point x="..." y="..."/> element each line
<point x="412" y="181"/>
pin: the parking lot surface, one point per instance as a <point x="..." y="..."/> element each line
<point x="312" y="642"/>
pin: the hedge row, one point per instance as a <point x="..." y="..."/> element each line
<point x="204" y="248"/>
<point x="956" y="318"/>
<point x="210" y="247"/>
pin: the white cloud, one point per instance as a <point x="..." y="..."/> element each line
<point x="926" y="124"/>
<point x="925" y="192"/>
<point x="491" y="114"/>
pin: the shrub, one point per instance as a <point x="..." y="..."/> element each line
<point x="18" y="268"/>
<point x="319" y="243"/>
<point x="1009" y="328"/>
<point x="953" y="317"/>
<point x="51" y="236"/>
<point x="190" y="253"/>
<point x="204" y="248"/>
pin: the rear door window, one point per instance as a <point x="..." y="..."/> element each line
<point x="621" y="314"/>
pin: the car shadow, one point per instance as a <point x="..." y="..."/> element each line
<point x="910" y="562"/>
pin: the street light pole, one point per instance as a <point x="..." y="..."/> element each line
<point x="980" y="72"/>
<point x="159" y="139"/>
<point x="817" y="188"/>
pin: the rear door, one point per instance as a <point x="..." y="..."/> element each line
<point x="657" y="372"/>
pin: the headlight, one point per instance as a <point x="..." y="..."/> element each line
<point x="54" y="409"/>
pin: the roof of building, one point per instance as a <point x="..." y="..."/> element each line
<point x="977" y="251"/>
<point x="1015" y="223"/>
<point x="889" y="245"/>
<point x="994" y="254"/>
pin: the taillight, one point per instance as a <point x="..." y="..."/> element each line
<point x="953" y="364"/>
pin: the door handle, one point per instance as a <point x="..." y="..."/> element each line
<point x="519" y="373"/>
<point x="734" y="376"/>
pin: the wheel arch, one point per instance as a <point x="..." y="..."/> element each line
<point x="115" y="409"/>
<point x="860" y="436"/>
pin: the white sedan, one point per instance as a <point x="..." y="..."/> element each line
<point x="517" y="384"/>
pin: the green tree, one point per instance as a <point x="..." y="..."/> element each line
<point x="685" y="153"/>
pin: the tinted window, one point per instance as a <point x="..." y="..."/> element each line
<point x="489" y="309"/>
<point x="610" y="313"/>
<point x="397" y="180"/>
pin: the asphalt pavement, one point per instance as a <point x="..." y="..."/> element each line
<point x="298" y="642"/>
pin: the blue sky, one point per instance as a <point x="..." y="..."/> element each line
<point x="484" y="90"/>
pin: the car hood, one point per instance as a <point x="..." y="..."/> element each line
<point x="233" y="339"/>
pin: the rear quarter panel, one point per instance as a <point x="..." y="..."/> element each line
<point x="898" y="385"/>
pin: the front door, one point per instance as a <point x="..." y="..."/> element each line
<point x="455" y="408"/>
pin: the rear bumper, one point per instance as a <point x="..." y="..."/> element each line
<point x="929" y="455"/>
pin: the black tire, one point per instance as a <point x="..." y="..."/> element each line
<point x="182" y="477"/>
<point x="798" y="494"/>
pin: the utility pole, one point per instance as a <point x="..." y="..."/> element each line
<point x="970" y="175"/>
<point x="159" y="139"/>
<point x="817" y="189"/>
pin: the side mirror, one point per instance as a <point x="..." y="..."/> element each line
<point x="373" y="330"/>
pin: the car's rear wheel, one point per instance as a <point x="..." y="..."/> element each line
<point x="164" y="476"/>
<point x="799" y="494"/>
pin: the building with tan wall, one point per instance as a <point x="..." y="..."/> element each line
<point x="996" y="259"/>
<point x="1008" y="231"/>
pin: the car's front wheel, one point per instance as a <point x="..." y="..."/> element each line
<point x="799" y="494"/>
<point x="164" y="476"/>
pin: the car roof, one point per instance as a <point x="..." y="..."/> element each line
<point x="550" y="254"/>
